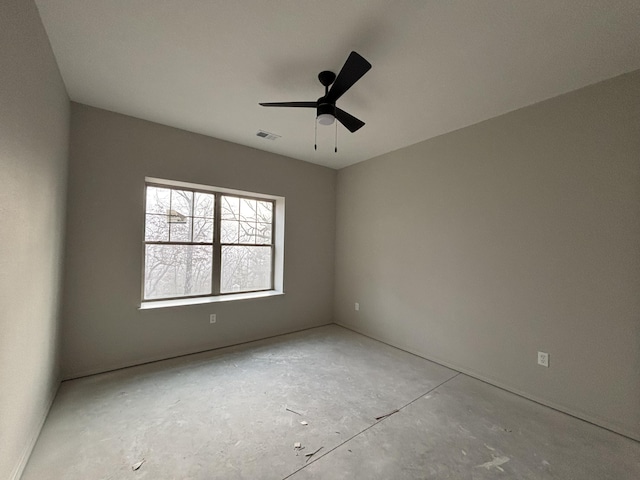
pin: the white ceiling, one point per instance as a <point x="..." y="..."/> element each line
<point x="204" y="65"/>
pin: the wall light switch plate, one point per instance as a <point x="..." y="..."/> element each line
<point x="212" y="318"/>
<point x="543" y="359"/>
<point x="357" y="307"/>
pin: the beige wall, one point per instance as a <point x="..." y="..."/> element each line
<point x="480" y="247"/>
<point x="34" y="128"/>
<point x="111" y="154"/>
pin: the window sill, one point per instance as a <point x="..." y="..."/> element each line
<point x="180" y="302"/>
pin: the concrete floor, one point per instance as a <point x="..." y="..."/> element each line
<point x="223" y="415"/>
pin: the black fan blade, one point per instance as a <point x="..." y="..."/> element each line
<point x="352" y="123"/>
<point x="352" y="71"/>
<point x="291" y="104"/>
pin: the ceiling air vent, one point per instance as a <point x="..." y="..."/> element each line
<point x="267" y="135"/>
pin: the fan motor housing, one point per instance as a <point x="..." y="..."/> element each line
<point x="325" y="108"/>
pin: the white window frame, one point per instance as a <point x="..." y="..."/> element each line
<point x="277" y="246"/>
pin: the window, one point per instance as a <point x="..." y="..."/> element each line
<point x="207" y="242"/>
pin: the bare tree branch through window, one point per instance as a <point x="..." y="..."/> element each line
<point x="181" y="244"/>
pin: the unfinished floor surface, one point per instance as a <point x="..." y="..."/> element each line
<point x="238" y="412"/>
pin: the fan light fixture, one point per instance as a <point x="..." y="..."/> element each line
<point x="326" y="119"/>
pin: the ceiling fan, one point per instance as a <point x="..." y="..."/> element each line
<point x="326" y="111"/>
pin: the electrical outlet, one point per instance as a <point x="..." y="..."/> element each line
<point x="357" y="307"/>
<point x="212" y="318"/>
<point x="543" y="359"/>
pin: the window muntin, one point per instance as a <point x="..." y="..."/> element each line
<point x="205" y="243"/>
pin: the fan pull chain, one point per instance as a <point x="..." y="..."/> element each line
<point x="335" y="148"/>
<point x="315" y="142"/>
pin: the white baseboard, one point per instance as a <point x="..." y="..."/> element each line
<point x="28" y="448"/>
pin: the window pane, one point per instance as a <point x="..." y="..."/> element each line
<point x="248" y="210"/>
<point x="180" y="230"/>
<point x="156" y="228"/>
<point x="203" y="230"/>
<point x="265" y="212"/>
<point x="245" y="269"/>
<point x="230" y="208"/>
<point x="158" y="200"/>
<point x="203" y="205"/>
<point x="263" y="233"/>
<point x="181" y="202"/>
<point x="229" y="231"/>
<point x="177" y="270"/>
<point x="247" y="232"/>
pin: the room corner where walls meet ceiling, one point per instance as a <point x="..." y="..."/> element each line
<point x="437" y="66"/>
